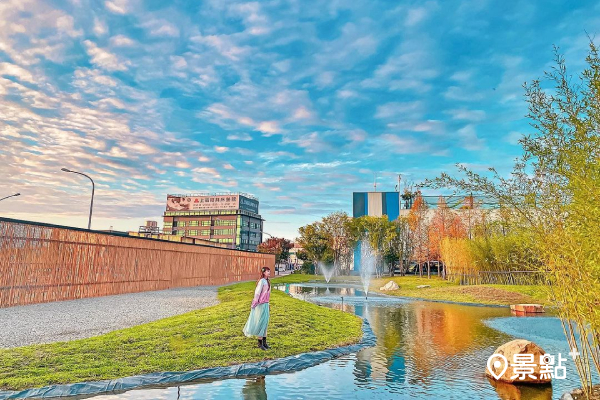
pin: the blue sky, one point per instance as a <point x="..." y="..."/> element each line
<point x="297" y="102"/>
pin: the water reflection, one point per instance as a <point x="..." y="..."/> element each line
<point x="255" y="389"/>
<point x="423" y="350"/>
<point x="506" y="391"/>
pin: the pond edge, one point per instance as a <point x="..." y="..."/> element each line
<point x="267" y="367"/>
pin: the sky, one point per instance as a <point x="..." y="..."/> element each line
<point x="299" y="103"/>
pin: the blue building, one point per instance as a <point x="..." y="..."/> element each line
<point x="374" y="204"/>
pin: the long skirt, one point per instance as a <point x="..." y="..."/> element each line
<point x="257" y="321"/>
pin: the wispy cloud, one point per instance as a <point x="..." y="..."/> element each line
<point x="281" y="100"/>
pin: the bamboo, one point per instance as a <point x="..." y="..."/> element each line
<point x="42" y="263"/>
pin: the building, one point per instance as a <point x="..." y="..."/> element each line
<point x="178" y="239"/>
<point x="151" y="228"/>
<point x="376" y="204"/>
<point x="225" y="218"/>
<point x="294" y="260"/>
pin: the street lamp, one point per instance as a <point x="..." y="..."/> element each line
<point x="93" y="188"/>
<point x="12" y="195"/>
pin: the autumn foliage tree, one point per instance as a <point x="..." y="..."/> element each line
<point x="280" y="247"/>
<point x="445" y="223"/>
<point x="417" y="220"/>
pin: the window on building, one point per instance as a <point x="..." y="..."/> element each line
<point x="193" y="233"/>
<point x="225" y="222"/>
<point x="223" y="232"/>
<point x="168" y="224"/>
<point x="205" y="223"/>
<point x="180" y="233"/>
<point x="193" y="223"/>
<point x="205" y="232"/>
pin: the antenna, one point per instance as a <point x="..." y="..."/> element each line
<point x="398" y="185"/>
<point x="375" y="181"/>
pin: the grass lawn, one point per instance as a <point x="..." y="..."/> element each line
<point x="199" y="339"/>
<point x="450" y="291"/>
<point x="442" y="290"/>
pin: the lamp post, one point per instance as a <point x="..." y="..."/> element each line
<point x="93" y="188"/>
<point x="12" y="195"/>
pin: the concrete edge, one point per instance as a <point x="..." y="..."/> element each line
<point x="267" y="367"/>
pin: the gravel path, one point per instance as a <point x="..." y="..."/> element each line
<point x="76" y="319"/>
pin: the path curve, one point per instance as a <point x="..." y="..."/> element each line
<point x="82" y="318"/>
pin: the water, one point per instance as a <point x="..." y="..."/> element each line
<point x="328" y="270"/>
<point x="368" y="263"/>
<point x="424" y="350"/>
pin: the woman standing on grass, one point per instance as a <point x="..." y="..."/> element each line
<point x="259" y="314"/>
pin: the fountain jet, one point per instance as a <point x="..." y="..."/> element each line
<point x="328" y="270"/>
<point x="368" y="261"/>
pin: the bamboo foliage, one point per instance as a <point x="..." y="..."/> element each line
<point x="42" y="263"/>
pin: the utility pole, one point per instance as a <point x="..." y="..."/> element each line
<point x="375" y="181"/>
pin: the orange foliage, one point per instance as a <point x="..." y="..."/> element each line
<point x="417" y="221"/>
<point x="445" y="223"/>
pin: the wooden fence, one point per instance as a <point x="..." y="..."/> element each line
<point x="499" y="278"/>
<point x="42" y="263"/>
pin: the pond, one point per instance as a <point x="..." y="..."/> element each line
<point x="424" y="350"/>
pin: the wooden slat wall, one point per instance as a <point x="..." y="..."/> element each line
<point x="42" y="263"/>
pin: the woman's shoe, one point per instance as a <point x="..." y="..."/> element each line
<point x="261" y="345"/>
<point x="265" y="343"/>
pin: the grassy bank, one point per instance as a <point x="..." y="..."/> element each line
<point x="450" y="291"/>
<point x="442" y="290"/>
<point x="200" y="339"/>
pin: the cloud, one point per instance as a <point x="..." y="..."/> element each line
<point x="104" y="58"/>
<point x="401" y="144"/>
<point x="513" y="138"/>
<point x="469" y="139"/>
<point x="117" y="6"/>
<point x="100" y="27"/>
<point x="466" y="114"/>
<point x="398" y="110"/>
<point x="312" y="143"/>
<point x="16" y="71"/>
<point x="414" y="16"/>
<point x="206" y="171"/>
<point x="161" y="27"/>
<point x="461" y="93"/>
<point x="121" y="41"/>
<point x="268" y="127"/>
<point x="152" y="100"/>
<point x="245" y="137"/>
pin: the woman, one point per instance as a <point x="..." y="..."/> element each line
<point x="259" y="314"/>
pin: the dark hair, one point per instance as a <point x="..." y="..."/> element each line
<point x="262" y="274"/>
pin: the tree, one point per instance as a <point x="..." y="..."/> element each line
<point x="417" y="220"/>
<point x="445" y="223"/>
<point x="399" y="248"/>
<point x="336" y="226"/>
<point x="316" y="242"/>
<point x="552" y="197"/>
<point x="280" y="247"/>
<point x="378" y="231"/>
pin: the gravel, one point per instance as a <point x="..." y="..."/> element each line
<point x="76" y="319"/>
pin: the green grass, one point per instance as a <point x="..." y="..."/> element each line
<point x="200" y="339"/>
<point x="442" y="290"/>
<point x="450" y="291"/>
